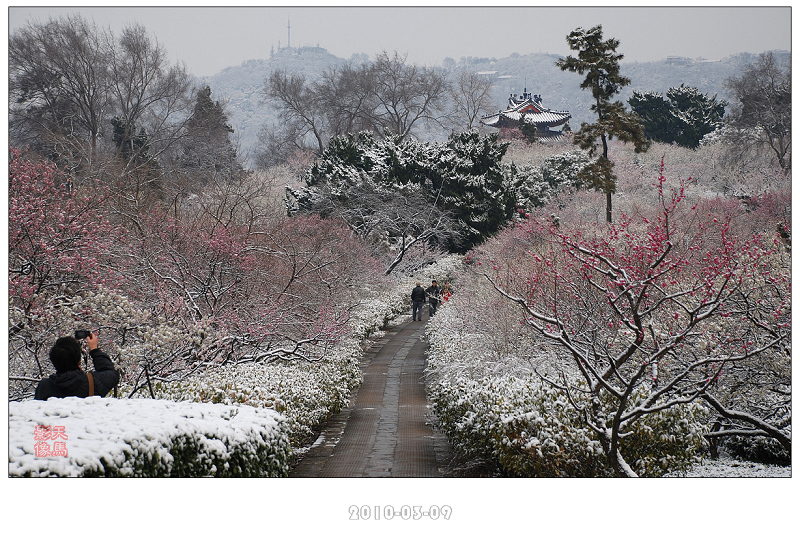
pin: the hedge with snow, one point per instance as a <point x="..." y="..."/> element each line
<point x="482" y="383"/>
<point x="148" y="438"/>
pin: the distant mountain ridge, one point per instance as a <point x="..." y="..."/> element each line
<point x="241" y="87"/>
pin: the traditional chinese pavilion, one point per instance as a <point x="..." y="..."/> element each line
<point x="528" y="108"/>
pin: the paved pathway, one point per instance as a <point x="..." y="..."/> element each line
<point x="387" y="430"/>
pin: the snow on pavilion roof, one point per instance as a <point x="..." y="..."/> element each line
<point x="528" y="108"/>
<point x="550" y="137"/>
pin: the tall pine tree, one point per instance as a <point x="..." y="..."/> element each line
<point x="599" y="60"/>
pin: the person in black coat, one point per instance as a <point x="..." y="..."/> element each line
<point x="433" y="297"/>
<point x="70" y="379"/>
<point x="417" y="300"/>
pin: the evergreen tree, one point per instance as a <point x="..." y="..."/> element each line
<point x="462" y="178"/>
<point x="132" y="146"/>
<point x="599" y="60"/>
<point x="695" y="114"/>
<point x="528" y="131"/>
<point x="683" y="117"/>
<point x="207" y="148"/>
<point x="473" y="187"/>
<point x="656" y="113"/>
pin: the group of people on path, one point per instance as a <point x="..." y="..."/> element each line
<point x="433" y="295"/>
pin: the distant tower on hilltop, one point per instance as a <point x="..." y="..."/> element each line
<point x="289" y="33"/>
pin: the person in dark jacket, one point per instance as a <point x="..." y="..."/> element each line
<point x="433" y="297"/>
<point x="70" y="379"/>
<point x="417" y="300"/>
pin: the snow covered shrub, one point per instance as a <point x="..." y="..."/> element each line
<point x="535" y="184"/>
<point x="522" y="426"/>
<point x="528" y="428"/>
<point x="530" y="190"/>
<point x="758" y="449"/>
<point x="96" y="437"/>
<point x="492" y="405"/>
<point x="562" y="170"/>
<point x="670" y="440"/>
<point x="306" y="393"/>
<point x="444" y="270"/>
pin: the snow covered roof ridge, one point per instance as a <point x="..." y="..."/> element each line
<point x="528" y="108"/>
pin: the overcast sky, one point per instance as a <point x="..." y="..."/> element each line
<point x="209" y="39"/>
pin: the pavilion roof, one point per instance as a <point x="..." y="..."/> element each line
<point x="530" y="109"/>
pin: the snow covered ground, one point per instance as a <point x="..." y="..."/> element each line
<point x="727" y="466"/>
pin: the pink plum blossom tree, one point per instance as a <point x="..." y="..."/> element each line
<point x="664" y="308"/>
<point x="60" y="248"/>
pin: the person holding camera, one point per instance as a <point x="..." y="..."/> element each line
<point x="70" y="379"/>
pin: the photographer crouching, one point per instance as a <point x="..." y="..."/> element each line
<point x="70" y="379"/>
